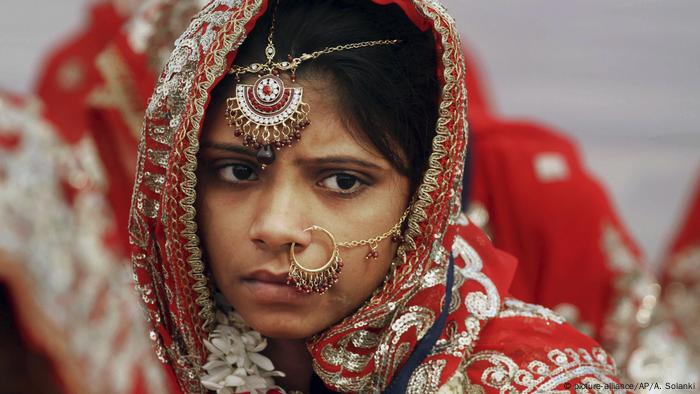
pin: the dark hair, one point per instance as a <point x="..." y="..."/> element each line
<point x="387" y="95"/>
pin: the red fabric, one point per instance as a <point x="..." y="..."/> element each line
<point x="167" y="256"/>
<point x="681" y="275"/>
<point x="142" y="76"/>
<point x="689" y="231"/>
<point x="115" y="145"/>
<point x="69" y="77"/>
<point x="111" y="126"/>
<point x="69" y="73"/>
<point x="10" y="139"/>
<point x="500" y="269"/>
<point x="555" y="228"/>
<point x="395" y="291"/>
<point x="542" y="362"/>
<point x="414" y="15"/>
<point x="86" y="297"/>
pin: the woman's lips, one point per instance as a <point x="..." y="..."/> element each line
<point x="269" y="287"/>
<point x="268" y="277"/>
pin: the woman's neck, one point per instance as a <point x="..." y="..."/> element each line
<point x="291" y="357"/>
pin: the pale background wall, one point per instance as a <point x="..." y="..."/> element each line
<point x="621" y="77"/>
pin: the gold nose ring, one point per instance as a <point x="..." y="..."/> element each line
<point x="319" y="280"/>
<point x="315" y="280"/>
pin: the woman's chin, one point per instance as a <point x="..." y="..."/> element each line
<point x="279" y="326"/>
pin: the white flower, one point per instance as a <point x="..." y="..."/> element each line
<point x="234" y="364"/>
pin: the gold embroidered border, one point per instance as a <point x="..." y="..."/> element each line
<point x="214" y="65"/>
<point x="543" y="375"/>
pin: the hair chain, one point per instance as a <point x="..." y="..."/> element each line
<point x="293" y="63"/>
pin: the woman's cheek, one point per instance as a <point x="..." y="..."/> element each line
<point x="360" y="281"/>
<point x="218" y="239"/>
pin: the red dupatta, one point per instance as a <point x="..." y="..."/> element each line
<point x="364" y="351"/>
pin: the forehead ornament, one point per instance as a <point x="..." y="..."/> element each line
<point x="268" y="115"/>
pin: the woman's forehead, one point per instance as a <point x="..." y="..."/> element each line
<point x="327" y="135"/>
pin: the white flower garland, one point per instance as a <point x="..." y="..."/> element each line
<point x="234" y="364"/>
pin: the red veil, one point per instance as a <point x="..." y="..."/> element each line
<point x="485" y="339"/>
<point x="681" y="275"/>
<point x="529" y="189"/>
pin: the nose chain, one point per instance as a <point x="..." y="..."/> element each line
<point x="319" y="280"/>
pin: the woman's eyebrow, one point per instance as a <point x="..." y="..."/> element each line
<point x="326" y="160"/>
<point x="228" y="147"/>
<point x="316" y="161"/>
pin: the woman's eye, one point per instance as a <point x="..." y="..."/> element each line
<point x="342" y="183"/>
<point x="237" y="173"/>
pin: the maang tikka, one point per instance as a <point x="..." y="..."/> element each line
<point x="267" y="114"/>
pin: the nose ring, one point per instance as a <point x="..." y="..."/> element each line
<point x="315" y="280"/>
<point x="319" y="280"/>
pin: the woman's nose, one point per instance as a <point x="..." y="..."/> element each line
<point x="279" y="221"/>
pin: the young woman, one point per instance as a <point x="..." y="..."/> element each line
<point x="296" y="223"/>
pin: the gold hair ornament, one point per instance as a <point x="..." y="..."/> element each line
<point x="267" y="114"/>
<point x="319" y="280"/>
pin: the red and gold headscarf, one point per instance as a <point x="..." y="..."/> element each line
<point x="363" y="352"/>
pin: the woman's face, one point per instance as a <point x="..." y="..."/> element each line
<point x="250" y="217"/>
